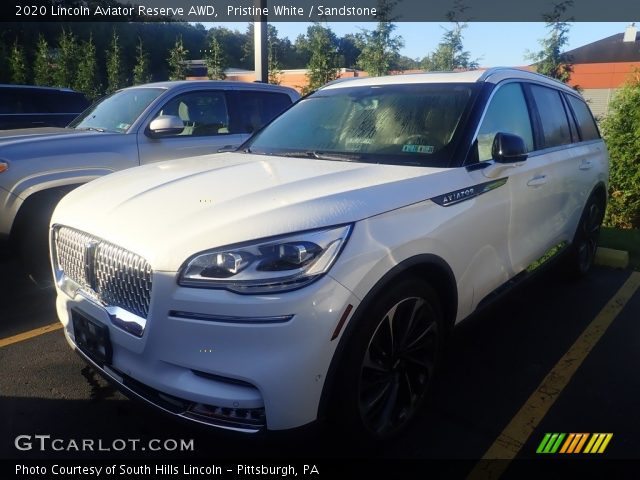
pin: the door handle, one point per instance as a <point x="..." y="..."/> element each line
<point x="537" y="181"/>
<point x="586" y="165"/>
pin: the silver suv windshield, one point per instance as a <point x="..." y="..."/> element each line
<point x="117" y="112"/>
<point x="413" y="124"/>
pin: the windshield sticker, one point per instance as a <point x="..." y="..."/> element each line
<point x="417" y="148"/>
<point x="123" y="126"/>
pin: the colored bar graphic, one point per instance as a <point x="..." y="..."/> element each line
<point x="543" y="443"/>
<point x="574" y="443"/>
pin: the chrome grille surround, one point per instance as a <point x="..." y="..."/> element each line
<point x="108" y="274"/>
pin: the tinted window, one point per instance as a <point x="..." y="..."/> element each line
<point x="252" y="110"/>
<point x="507" y="113"/>
<point x="202" y="113"/>
<point x="588" y="128"/>
<point x="555" y="128"/>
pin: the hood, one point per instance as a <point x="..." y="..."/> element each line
<point x="31" y="134"/>
<point x="168" y="211"/>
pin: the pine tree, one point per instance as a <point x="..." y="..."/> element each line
<point x="87" y="77"/>
<point x="66" y="60"/>
<point x="322" y="67"/>
<point x="450" y="54"/>
<point x="177" y="57"/>
<point x="17" y="64"/>
<point x="550" y="61"/>
<point x="114" y="65"/>
<point x="379" y="48"/>
<point x="215" y="59"/>
<point x="273" y="62"/>
<point x="141" y="69"/>
<point x="42" y="69"/>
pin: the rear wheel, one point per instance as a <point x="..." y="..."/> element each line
<point x="392" y="360"/>
<point x="585" y="242"/>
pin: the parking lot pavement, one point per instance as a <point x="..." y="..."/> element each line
<point x="495" y="361"/>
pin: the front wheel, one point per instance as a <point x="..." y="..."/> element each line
<point x="392" y="360"/>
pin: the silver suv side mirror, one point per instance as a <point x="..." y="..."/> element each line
<point x="166" y="125"/>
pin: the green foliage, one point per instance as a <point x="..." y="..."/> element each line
<point x="17" y="64"/>
<point x="549" y="60"/>
<point x="43" y="63"/>
<point x="115" y="79"/>
<point x="66" y="60"/>
<point x="450" y="54"/>
<point x="348" y="51"/>
<point x="215" y="59"/>
<point x="177" y="57"/>
<point x="379" y="48"/>
<point x="322" y="66"/>
<point x="141" y="72"/>
<point x="621" y="130"/>
<point x="274" y="68"/>
<point x="87" y="77"/>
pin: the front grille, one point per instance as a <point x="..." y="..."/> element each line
<point x="110" y="274"/>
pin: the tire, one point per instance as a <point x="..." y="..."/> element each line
<point x="391" y="362"/>
<point x="585" y="242"/>
<point x="31" y="235"/>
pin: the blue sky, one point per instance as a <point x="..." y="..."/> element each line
<point x="493" y="44"/>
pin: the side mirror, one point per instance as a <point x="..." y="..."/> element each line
<point x="508" y="148"/>
<point x="166" y="125"/>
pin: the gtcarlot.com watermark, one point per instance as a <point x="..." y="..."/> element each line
<point x="47" y="443"/>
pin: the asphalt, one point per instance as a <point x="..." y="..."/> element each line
<point x="494" y="362"/>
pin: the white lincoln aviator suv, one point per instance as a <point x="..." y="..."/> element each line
<point x="317" y="270"/>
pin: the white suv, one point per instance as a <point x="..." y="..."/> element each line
<point x="319" y="269"/>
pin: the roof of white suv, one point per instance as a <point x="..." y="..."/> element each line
<point x="491" y="75"/>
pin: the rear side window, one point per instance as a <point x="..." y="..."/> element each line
<point x="252" y="110"/>
<point x="586" y="123"/>
<point x="555" y="127"/>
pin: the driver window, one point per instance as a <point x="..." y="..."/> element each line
<point x="507" y="113"/>
<point x="202" y="113"/>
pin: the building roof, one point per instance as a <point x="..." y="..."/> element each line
<point x="608" y="50"/>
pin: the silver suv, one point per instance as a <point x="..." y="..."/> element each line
<point x="134" y="126"/>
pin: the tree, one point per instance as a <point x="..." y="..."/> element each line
<point x="87" y="76"/>
<point x="17" y="64"/>
<point x="550" y="61"/>
<point x="42" y="64"/>
<point x="322" y="67"/>
<point x="621" y="130"/>
<point x="65" y="60"/>
<point x="450" y="54"/>
<point x="115" y="79"/>
<point x="348" y="51"/>
<point x="273" y="62"/>
<point x="177" y="58"/>
<point x="215" y="59"/>
<point x="141" y="68"/>
<point x="379" y="48"/>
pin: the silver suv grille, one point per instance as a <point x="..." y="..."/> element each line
<point x="110" y="274"/>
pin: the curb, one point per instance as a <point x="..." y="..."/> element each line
<point x="608" y="257"/>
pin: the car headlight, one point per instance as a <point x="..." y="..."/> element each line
<point x="266" y="266"/>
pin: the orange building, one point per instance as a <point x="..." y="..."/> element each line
<point x="602" y="67"/>
<point x="289" y="78"/>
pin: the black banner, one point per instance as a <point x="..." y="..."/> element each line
<point x="310" y="10"/>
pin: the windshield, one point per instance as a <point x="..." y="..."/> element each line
<point x="117" y="112"/>
<point x="408" y="124"/>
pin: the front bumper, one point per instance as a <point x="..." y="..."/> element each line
<point x="221" y="358"/>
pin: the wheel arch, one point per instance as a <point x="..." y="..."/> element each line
<point x="432" y="268"/>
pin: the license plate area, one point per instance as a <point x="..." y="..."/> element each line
<point x="92" y="338"/>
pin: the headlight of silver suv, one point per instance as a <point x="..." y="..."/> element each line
<point x="265" y="266"/>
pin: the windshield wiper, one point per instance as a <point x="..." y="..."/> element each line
<point x="338" y="156"/>
<point x="91" y="129"/>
